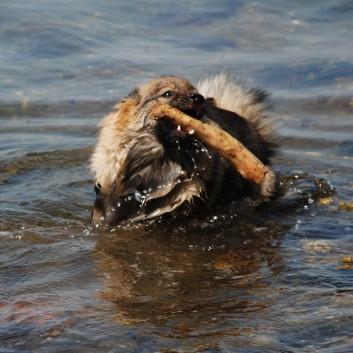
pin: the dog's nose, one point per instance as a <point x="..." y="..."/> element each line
<point x="197" y="98"/>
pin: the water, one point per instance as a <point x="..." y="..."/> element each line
<point x="279" y="280"/>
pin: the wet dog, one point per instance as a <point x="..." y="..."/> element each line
<point x="145" y="167"/>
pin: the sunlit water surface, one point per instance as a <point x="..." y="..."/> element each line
<point x="278" y="279"/>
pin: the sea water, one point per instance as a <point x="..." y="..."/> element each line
<point x="278" y="280"/>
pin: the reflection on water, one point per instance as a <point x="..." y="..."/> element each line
<point x="205" y="281"/>
<point x="189" y="287"/>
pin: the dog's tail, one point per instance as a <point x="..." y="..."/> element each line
<point x="252" y="104"/>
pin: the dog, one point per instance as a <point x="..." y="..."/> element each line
<point x="145" y="168"/>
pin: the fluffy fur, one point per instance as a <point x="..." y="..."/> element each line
<point x="145" y="168"/>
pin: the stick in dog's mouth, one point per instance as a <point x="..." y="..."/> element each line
<point x="248" y="165"/>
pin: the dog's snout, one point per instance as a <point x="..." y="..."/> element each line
<point x="197" y="98"/>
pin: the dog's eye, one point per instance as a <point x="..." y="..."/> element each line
<point x="167" y="94"/>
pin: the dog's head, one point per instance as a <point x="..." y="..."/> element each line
<point x="146" y="167"/>
<point x="135" y="109"/>
<point x="175" y="92"/>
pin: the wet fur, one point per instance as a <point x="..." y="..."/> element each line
<point x="145" y="168"/>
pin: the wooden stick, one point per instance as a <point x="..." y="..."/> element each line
<point x="248" y="165"/>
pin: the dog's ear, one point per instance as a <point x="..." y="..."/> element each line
<point x="126" y="110"/>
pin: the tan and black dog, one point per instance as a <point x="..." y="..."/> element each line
<point x="145" y="167"/>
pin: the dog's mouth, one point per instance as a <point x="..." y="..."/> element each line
<point x="181" y="132"/>
<point x="170" y="133"/>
